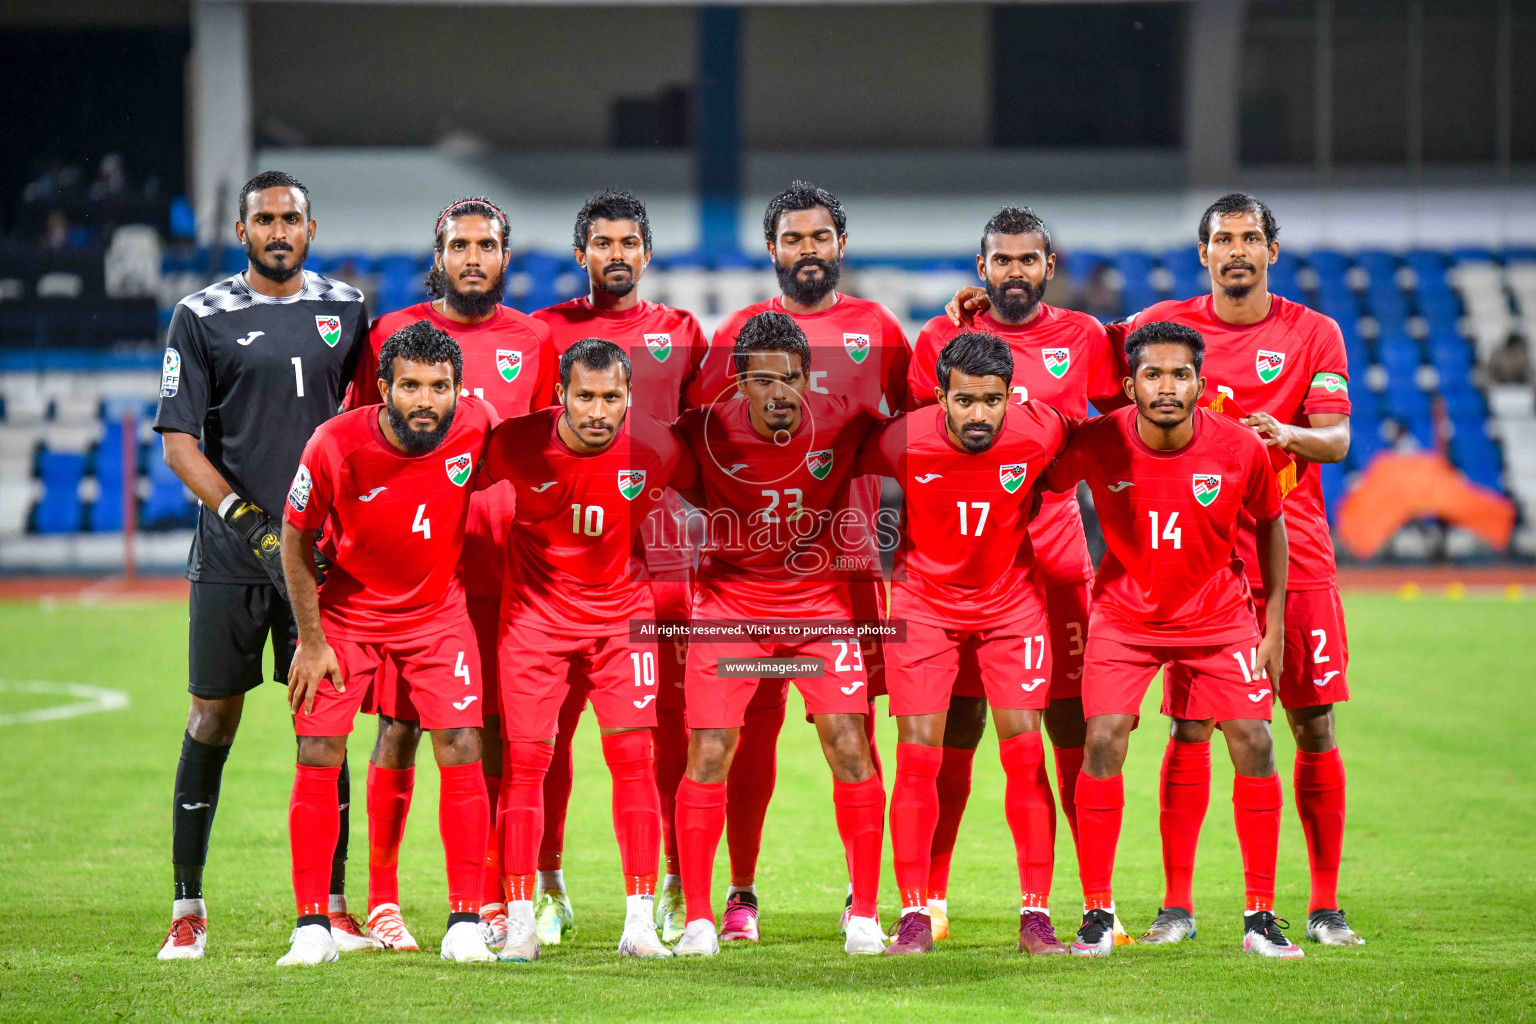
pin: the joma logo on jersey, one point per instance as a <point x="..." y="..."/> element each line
<point x="1268" y="364"/>
<point x="459" y="468"/>
<point x="329" y="328"/>
<point x="509" y="364"/>
<point x="659" y="345"/>
<point x="819" y="463"/>
<point x="857" y="346"/>
<point x="631" y="483"/>
<point x="1013" y="477"/>
<point x="298" y="492"/>
<point x="1056" y="360"/>
<point x="1207" y="486"/>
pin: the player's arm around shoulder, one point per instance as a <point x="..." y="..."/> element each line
<point x="923" y="369"/>
<point x="884" y="450"/>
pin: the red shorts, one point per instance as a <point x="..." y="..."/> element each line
<point x="673" y="593"/>
<point x="869" y="604"/>
<point x="716" y="702"/>
<point x="1066" y="606"/>
<point x="541" y="667"/>
<point x="1316" y="650"/>
<point x="1316" y="665"/>
<point x="1219" y="681"/>
<point x="432" y="679"/>
<point x="484" y="618"/>
<point x="1017" y="656"/>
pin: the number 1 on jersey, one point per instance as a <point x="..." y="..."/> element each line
<point x="298" y="374"/>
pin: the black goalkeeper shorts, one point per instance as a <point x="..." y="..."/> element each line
<point x="228" y="628"/>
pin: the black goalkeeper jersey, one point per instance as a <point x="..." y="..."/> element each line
<point x="251" y="377"/>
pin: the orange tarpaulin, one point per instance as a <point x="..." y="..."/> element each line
<point x="1397" y="489"/>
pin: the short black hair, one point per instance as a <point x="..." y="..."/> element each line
<point x="465" y="206"/>
<point x="1016" y="220"/>
<point x="975" y="354"/>
<point x="595" y="354"/>
<point x="272" y="179"/>
<point x="771" y="332"/>
<point x="1239" y="202"/>
<point x="612" y="204"/>
<point x="420" y="342"/>
<point x="802" y="195"/>
<point x="1164" y="332"/>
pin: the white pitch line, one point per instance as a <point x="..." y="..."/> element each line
<point x="88" y="700"/>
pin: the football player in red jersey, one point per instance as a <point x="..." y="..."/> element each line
<point x="388" y="629"/>
<point x="1065" y="359"/>
<point x="773" y="472"/>
<point x="588" y="474"/>
<point x="665" y="347"/>
<point x="862" y="354"/>
<point x="967" y="588"/>
<point x="509" y="362"/>
<point x="1287" y="363"/>
<point x="1170" y="484"/>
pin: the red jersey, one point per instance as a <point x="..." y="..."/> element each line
<point x="1170" y="521"/>
<point x="577" y="521"/>
<point x="1060" y="357"/>
<point x="965" y="547"/>
<point x="665" y="347"/>
<point x="1291" y="364"/>
<point x="509" y="362"/>
<point x="394" y="523"/>
<point x="778" y="514"/>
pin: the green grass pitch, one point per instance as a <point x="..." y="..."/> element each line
<point x="1440" y="861"/>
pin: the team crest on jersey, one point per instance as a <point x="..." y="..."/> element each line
<point x="659" y="345"/>
<point x="1012" y="477"/>
<point x="298" y="491"/>
<point x="1207" y="486"/>
<point x="1268" y="364"/>
<point x="631" y="483"/>
<point x="857" y="346"/>
<point x="509" y="364"/>
<point x="329" y="328"/>
<point x="459" y="468"/>
<point x="1056" y="360"/>
<point x="819" y="463"/>
<point x="170" y="374"/>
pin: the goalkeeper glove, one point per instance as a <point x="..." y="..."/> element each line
<point x="265" y="538"/>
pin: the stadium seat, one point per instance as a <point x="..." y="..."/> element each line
<point x="59" y="509"/>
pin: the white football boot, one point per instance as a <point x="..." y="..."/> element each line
<point x="464" y="944"/>
<point x="699" y="939"/>
<point x="311" y="944"/>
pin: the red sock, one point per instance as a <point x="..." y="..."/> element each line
<point x="1069" y="764"/>
<point x="1320" y="803"/>
<point x="700" y="820"/>
<point x="869" y="734"/>
<point x="523" y="784"/>
<point x="954" y="791"/>
<point x="914" y="813"/>
<point x="314" y="821"/>
<point x="557" y="781"/>
<point x="749" y="787"/>
<point x="490" y="874"/>
<point x="1031" y="815"/>
<point x="860" y="810"/>
<point x="389" y="801"/>
<point x="462" y="820"/>
<point x="671" y="759"/>
<point x="1100" y="806"/>
<point x="1184" y="795"/>
<point x="1256" y="810"/>
<point x="636" y="808"/>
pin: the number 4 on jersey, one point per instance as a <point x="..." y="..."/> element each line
<point x="422" y="525"/>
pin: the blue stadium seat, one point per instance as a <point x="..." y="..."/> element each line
<point x="1381" y="266"/>
<point x="106" y="512"/>
<point x="1365" y="407"/>
<point x="1364" y="444"/>
<point x="1451" y="358"/>
<point x="167" y="505"/>
<point x="59" y="509"/>
<point x="1329" y="264"/>
<point x="1331" y="478"/>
